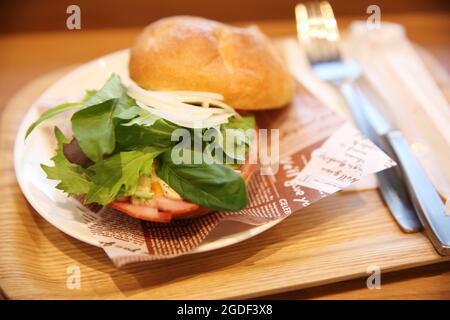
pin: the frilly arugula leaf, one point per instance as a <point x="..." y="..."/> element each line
<point x="74" y="179"/>
<point x="210" y="185"/>
<point x="119" y="174"/>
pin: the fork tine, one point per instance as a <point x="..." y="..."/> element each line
<point x="315" y="21"/>
<point x="304" y="30"/>
<point x="317" y="30"/>
<point x="326" y="46"/>
<point x="330" y="25"/>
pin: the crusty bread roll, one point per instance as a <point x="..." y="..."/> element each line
<point x="190" y="53"/>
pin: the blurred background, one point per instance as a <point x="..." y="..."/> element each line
<point x="34" y="39"/>
<point x="48" y="15"/>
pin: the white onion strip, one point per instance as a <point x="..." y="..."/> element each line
<point x="167" y="103"/>
<point x="194" y="94"/>
<point x="188" y="122"/>
<point x="174" y="106"/>
<point x="194" y="117"/>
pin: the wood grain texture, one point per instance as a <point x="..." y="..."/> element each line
<point x="429" y="282"/>
<point x="334" y="240"/>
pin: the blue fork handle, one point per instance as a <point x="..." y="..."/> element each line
<point x="426" y="201"/>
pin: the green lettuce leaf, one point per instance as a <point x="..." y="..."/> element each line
<point x="213" y="186"/>
<point x="244" y="122"/>
<point x="112" y="89"/>
<point x="51" y="113"/>
<point x="88" y="95"/>
<point x="94" y="126"/>
<point x="119" y="174"/>
<point x="145" y="130"/>
<point x="237" y="132"/>
<point x="144" y="118"/>
<point x="125" y="108"/>
<point x="236" y="125"/>
<point x="74" y="180"/>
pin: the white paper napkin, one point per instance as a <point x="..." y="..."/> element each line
<point x="405" y="89"/>
<point x="409" y="93"/>
<point x="298" y="64"/>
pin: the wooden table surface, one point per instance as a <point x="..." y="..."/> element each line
<point x="26" y="56"/>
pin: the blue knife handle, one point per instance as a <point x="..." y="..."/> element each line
<point x="428" y="204"/>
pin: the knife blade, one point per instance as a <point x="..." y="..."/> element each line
<point x="426" y="201"/>
<point x="391" y="187"/>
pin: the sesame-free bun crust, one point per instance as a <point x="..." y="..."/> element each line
<point x="196" y="54"/>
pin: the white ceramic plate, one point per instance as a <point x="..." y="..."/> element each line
<point x="52" y="204"/>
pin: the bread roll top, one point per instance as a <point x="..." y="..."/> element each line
<point x="196" y="54"/>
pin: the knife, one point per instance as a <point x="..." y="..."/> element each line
<point x="427" y="203"/>
<point x="390" y="183"/>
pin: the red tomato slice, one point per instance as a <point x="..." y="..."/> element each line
<point x="248" y="168"/>
<point x="173" y="206"/>
<point x="246" y="171"/>
<point x="123" y="199"/>
<point x="141" y="212"/>
<point x="163" y="209"/>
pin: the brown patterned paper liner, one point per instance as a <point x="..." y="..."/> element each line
<point x="320" y="153"/>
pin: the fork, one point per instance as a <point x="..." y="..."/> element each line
<point x="321" y="42"/>
<point x="318" y="33"/>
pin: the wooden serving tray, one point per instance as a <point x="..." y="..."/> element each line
<point x="335" y="239"/>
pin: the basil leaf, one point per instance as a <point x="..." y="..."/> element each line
<point x="74" y="179"/>
<point x="213" y="186"/>
<point x="119" y="174"/>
